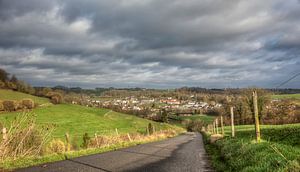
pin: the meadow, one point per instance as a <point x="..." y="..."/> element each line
<point x="14" y="95"/>
<point x="178" y="120"/>
<point x="278" y="151"/>
<point x="286" y="96"/>
<point x="77" y="120"/>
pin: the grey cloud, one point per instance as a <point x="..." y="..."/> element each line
<point x="12" y="8"/>
<point x="151" y="43"/>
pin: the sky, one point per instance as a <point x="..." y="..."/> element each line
<point x="151" y="43"/>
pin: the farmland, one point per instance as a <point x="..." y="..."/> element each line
<point x="6" y="94"/>
<point x="200" y="117"/>
<point x="279" y="150"/>
<point x="77" y="120"/>
<point x="286" y="96"/>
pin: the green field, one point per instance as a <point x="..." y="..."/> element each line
<point x="14" y="95"/>
<point x="77" y="120"/>
<point x="278" y="151"/>
<point x="204" y="118"/>
<point x="286" y="96"/>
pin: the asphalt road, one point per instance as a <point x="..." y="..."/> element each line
<point x="182" y="153"/>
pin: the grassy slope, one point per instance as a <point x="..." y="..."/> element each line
<point x="205" y="118"/>
<point x="286" y="96"/>
<point x="14" y="95"/>
<point x="279" y="150"/>
<point x="77" y="120"/>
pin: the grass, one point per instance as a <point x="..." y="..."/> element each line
<point x="77" y="120"/>
<point x="200" y="117"/>
<point x="14" y="95"/>
<point x="278" y="151"/>
<point x="286" y="96"/>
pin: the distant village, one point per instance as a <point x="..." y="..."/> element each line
<point x="155" y="105"/>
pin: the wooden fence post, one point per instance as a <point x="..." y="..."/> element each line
<point x="222" y="125"/>
<point x="147" y="129"/>
<point x="232" y="122"/>
<point x="214" y="127"/>
<point x="4" y="132"/>
<point x="68" y="141"/>
<point x="217" y="125"/>
<point x="117" y="132"/>
<point x="129" y="137"/>
<point x="96" y="138"/>
<point x="257" y="128"/>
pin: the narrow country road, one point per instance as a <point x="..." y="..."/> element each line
<point x="184" y="153"/>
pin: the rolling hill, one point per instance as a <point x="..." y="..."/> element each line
<point x="15" y="95"/>
<point x="78" y="120"/>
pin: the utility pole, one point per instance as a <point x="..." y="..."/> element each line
<point x="232" y="122"/>
<point x="257" y="128"/>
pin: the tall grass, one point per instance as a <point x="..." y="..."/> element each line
<point x="279" y="151"/>
<point x="24" y="138"/>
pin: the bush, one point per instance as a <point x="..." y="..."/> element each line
<point x="56" y="146"/>
<point x="56" y="97"/>
<point x="86" y="139"/>
<point x="10" y="105"/>
<point x="11" y="85"/>
<point x="74" y="143"/>
<point x="27" y="103"/>
<point x="194" y="125"/>
<point x="2" y="84"/>
<point x="150" y="128"/>
<point x="1" y="106"/>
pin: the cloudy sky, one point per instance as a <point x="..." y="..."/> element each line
<point x="151" y="43"/>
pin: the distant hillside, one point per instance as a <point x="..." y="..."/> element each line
<point x="15" y="95"/>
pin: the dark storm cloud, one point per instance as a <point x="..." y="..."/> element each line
<point x="13" y="8"/>
<point x="151" y="43"/>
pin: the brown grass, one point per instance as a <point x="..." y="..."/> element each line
<point x="24" y="138"/>
<point x="103" y="141"/>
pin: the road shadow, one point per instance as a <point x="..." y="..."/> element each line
<point x="169" y="163"/>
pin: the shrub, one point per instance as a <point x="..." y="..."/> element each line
<point x="194" y="126"/>
<point x="11" y="85"/>
<point x="56" y="97"/>
<point x="86" y="139"/>
<point x="1" y="106"/>
<point x="27" y="103"/>
<point x="10" y="105"/>
<point x="2" y="84"/>
<point x="56" y="146"/>
<point x="150" y="128"/>
<point x="74" y="143"/>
